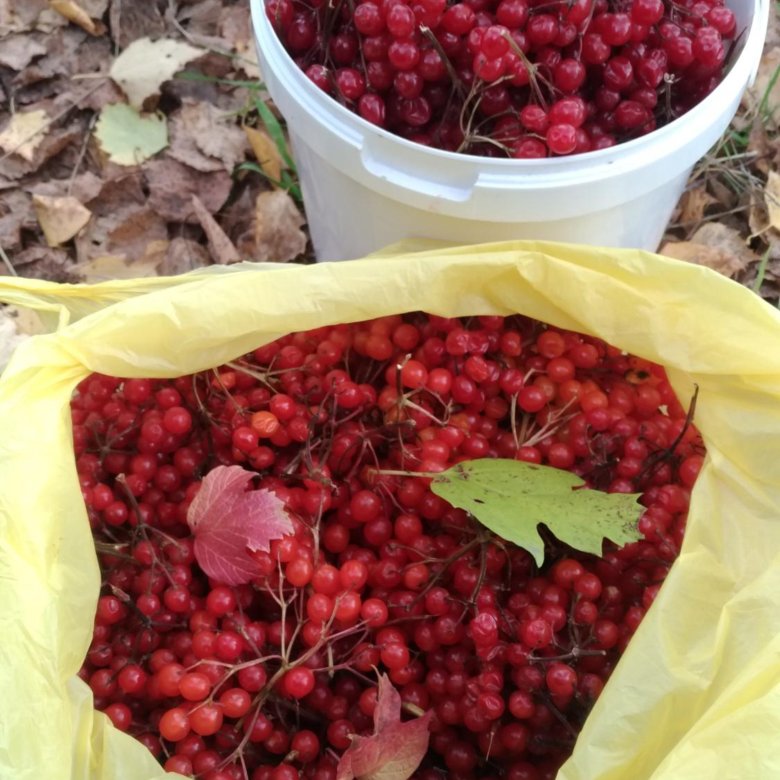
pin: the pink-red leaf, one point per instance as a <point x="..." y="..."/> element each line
<point x="228" y="520"/>
<point x="394" y="750"/>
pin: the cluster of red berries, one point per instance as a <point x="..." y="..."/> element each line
<point x="511" y="78"/>
<point x="269" y="680"/>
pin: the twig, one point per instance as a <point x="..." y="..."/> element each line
<point x="82" y="152"/>
<point x="7" y="262"/>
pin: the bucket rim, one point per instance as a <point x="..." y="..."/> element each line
<point x="741" y="74"/>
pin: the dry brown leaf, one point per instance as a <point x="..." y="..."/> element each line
<point x="155" y="254"/>
<point x="758" y="219"/>
<point x="693" y="204"/>
<point x="24" y="133"/>
<point x="265" y="152"/>
<point x="121" y="189"/>
<point x="107" y="267"/>
<point x="18" y="51"/>
<point x="772" y="240"/>
<point x="222" y="249"/>
<point x="16" y="214"/>
<point x="235" y="28"/>
<point x="44" y="262"/>
<point x="145" y="64"/>
<point x="125" y="234"/>
<point x="202" y="19"/>
<point x="278" y="234"/>
<point x="130" y="21"/>
<point x="84" y="187"/>
<point x="25" y="15"/>
<point x="60" y="218"/>
<point x="202" y="139"/>
<point x="721" y="236"/>
<point x="715" y="245"/>
<point x="123" y="224"/>
<point x="215" y="136"/>
<point x="132" y="237"/>
<point x="718" y="259"/>
<point x="64" y="49"/>
<point x="171" y="187"/>
<point x="182" y="256"/>
<point x="772" y="199"/>
<point x="760" y="146"/>
<point x="73" y="12"/>
<point x="59" y="149"/>
<point x="237" y="219"/>
<point x="95" y="8"/>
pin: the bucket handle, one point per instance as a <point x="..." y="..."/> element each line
<point x="434" y="180"/>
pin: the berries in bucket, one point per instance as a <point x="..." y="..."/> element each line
<point x="326" y="557"/>
<point x="511" y="78"/>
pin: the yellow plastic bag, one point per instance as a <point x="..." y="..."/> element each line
<point x="696" y="695"/>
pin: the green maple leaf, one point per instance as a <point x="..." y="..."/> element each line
<point x="512" y="497"/>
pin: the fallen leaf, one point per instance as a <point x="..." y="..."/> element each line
<point x="202" y="138"/>
<point x="758" y="218"/>
<point x="772" y="199"/>
<point x="394" y="750"/>
<point x="18" y="51"/>
<point x="144" y="65"/>
<point x="29" y="15"/>
<point x="73" y="12"/>
<point x="693" y="203"/>
<point x="130" y="21"/>
<point x="60" y="218"/>
<point x="716" y="246"/>
<point x="16" y="214"/>
<point x="235" y="28"/>
<point x="44" y="262"/>
<point x="131" y="237"/>
<point x="720" y="236"/>
<point x="54" y="142"/>
<point x="512" y="498"/>
<point x="129" y="138"/>
<point x="183" y="256"/>
<point x="265" y="152"/>
<point x="760" y="147"/>
<point x="126" y="233"/>
<point x="122" y="189"/>
<point x="278" y="234"/>
<point x="85" y="186"/>
<point x="95" y="8"/>
<point x="229" y="520"/>
<point x="171" y="186"/>
<point x="24" y="133"/>
<point x="202" y="20"/>
<point x="222" y="249"/>
<point x="107" y="267"/>
<point x="237" y="218"/>
<point x="59" y="62"/>
<point x="719" y="260"/>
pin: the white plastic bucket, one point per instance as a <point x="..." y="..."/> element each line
<point x="364" y="188"/>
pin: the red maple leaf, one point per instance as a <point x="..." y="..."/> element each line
<point x="228" y="520"/>
<point x="394" y="750"/>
